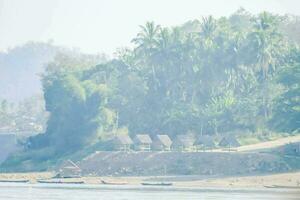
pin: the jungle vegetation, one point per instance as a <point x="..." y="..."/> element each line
<point x="208" y="76"/>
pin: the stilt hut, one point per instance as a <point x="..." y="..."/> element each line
<point x="142" y="142"/>
<point x="183" y="143"/>
<point x="122" y="143"/>
<point x="205" y="142"/>
<point x="69" y="170"/>
<point x="229" y="141"/>
<point x="162" y="143"/>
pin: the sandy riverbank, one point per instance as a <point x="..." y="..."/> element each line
<point x="284" y="179"/>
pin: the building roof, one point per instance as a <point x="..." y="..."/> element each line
<point x="69" y="164"/>
<point x="142" y="139"/>
<point x="205" y="140"/>
<point x="184" y="140"/>
<point x="122" y="139"/>
<point x="164" y="140"/>
<point x="229" y="140"/>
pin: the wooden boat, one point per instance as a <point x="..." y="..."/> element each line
<point x="113" y="183"/>
<point x="157" y="184"/>
<point x="14" y="181"/>
<point x="60" y="182"/>
<point x="282" y="187"/>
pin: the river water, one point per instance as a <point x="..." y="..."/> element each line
<point x="92" y="192"/>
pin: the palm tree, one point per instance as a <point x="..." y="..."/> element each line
<point x="208" y="26"/>
<point x="147" y="38"/>
<point x="163" y="40"/>
<point x="265" y="32"/>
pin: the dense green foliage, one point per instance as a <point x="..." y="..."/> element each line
<point x="22" y="106"/>
<point x="73" y="104"/>
<point x="287" y="106"/>
<point x="207" y="77"/>
<point x="210" y="76"/>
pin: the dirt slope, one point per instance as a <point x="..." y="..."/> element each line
<point x="181" y="163"/>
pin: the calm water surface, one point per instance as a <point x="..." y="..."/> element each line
<point x="90" y="192"/>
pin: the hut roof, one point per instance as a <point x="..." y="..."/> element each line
<point x="122" y="139"/>
<point x="142" y="139"/>
<point x="229" y="140"/>
<point x="205" y="140"/>
<point x="184" y="140"/>
<point x="69" y="164"/>
<point x="164" y="140"/>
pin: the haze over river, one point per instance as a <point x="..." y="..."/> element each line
<point x="93" y="192"/>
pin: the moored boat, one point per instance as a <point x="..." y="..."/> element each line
<point x="157" y="184"/>
<point x="282" y="186"/>
<point x="14" y="181"/>
<point x="60" y="182"/>
<point x="113" y="183"/>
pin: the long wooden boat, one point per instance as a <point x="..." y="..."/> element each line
<point x="14" y="181"/>
<point x="113" y="183"/>
<point x="282" y="186"/>
<point x="60" y="182"/>
<point x="157" y="184"/>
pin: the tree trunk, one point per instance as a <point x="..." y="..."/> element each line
<point x="216" y="127"/>
<point x="265" y="101"/>
<point x="201" y="129"/>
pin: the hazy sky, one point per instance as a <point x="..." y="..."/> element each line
<point x="97" y="26"/>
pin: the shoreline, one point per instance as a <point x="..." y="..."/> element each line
<point x="288" y="180"/>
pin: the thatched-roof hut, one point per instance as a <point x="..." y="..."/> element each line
<point x="142" y="142"/>
<point x="69" y="170"/>
<point x="162" y="143"/>
<point x="205" y="142"/>
<point x="183" y="143"/>
<point x="229" y="141"/>
<point x="122" y="143"/>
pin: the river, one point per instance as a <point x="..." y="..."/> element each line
<point x="94" y="192"/>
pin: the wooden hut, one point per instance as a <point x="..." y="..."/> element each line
<point x="162" y="143"/>
<point x="142" y="142"/>
<point x="229" y="141"/>
<point x="205" y="142"/>
<point x="69" y="170"/>
<point x="122" y="143"/>
<point x="183" y="143"/>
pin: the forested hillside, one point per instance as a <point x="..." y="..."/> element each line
<point x="21" y="68"/>
<point x="21" y="92"/>
<point x="21" y="95"/>
<point x="208" y="76"/>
